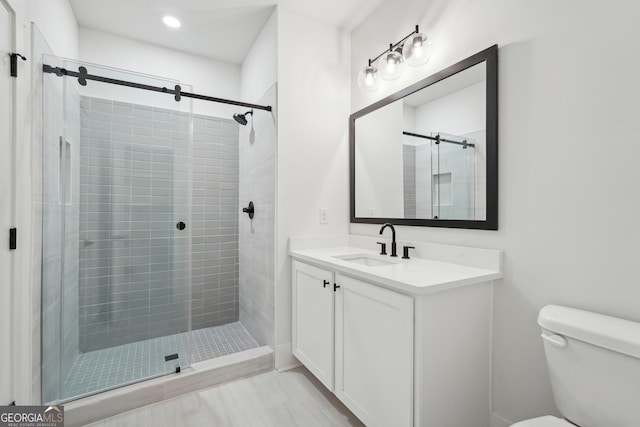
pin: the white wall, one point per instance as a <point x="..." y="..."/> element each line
<point x="568" y="162"/>
<point x="409" y="123"/>
<point x="205" y="76"/>
<point x="313" y="112"/>
<point x="260" y="68"/>
<point x="458" y="113"/>
<point x="57" y="22"/>
<point x="379" y="154"/>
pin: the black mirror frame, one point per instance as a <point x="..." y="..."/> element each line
<point x="490" y="56"/>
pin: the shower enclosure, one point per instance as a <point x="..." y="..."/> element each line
<point x="453" y="177"/>
<point x="439" y="176"/>
<point x="141" y="262"/>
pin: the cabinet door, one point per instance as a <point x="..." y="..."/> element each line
<point x="313" y="320"/>
<point x="374" y="352"/>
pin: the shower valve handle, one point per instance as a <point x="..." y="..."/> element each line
<point x="249" y="210"/>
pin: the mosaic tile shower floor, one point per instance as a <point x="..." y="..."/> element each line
<point x="111" y="367"/>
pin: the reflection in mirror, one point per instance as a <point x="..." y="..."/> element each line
<point x="423" y="155"/>
<point x="443" y="147"/>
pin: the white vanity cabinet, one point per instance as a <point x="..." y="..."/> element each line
<point x="394" y="353"/>
<point x="357" y="339"/>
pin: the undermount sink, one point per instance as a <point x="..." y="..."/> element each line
<point x="364" y="259"/>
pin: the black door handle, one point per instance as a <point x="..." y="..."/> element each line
<point x="325" y="283"/>
<point x="249" y="210"/>
<point x="335" y="286"/>
<point x="181" y="226"/>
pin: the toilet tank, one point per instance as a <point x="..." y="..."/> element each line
<point x="594" y="366"/>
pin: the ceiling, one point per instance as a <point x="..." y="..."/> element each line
<point x="346" y="14"/>
<point x="221" y="29"/>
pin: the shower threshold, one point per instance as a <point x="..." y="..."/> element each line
<point x="113" y="367"/>
<point x="199" y="376"/>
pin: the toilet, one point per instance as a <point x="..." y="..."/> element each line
<point x="594" y="368"/>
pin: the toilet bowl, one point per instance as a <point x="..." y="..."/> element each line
<point x="594" y="366"/>
<point x="547" y="421"/>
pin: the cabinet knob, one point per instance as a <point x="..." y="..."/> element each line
<point x="325" y="283"/>
<point x="335" y="286"/>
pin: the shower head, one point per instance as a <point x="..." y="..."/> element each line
<point x="242" y="118"/>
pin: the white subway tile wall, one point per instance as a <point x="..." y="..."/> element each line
<point x="216" y="210"/>
<point x="424" y="205"/>
<point x="257" y="235"/>
<point x="134" y="175"/>
<point x="409" y="179"/>
<point x="416" y="169"/>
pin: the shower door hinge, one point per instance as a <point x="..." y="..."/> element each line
<point x="13" y="238"/>
<point x="14" y="63"/>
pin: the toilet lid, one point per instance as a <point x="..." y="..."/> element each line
<point x="547" y="421"/>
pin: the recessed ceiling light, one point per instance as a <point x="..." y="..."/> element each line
<point x="171" y="21"/>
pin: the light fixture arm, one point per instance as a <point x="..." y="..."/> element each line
<point x="392" y="46"/>
<point x="411" y="50"/>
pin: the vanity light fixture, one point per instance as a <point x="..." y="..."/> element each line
<point x="391" y="64"/>
<point x="414" y="50"/>
<point x="369" y="78"/>
<point x="171" y="21"/>
<point x="417" y="49"/>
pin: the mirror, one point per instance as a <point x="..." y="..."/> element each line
<point x="428" y="154"/>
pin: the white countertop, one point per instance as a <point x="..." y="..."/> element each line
<point x="416" y="276"/>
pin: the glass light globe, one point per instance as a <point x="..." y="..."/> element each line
<point x="417" y="50"/>
<point x="368" y="79"/>
<point x="391" y="65"/>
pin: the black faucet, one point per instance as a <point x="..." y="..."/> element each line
<point x="393" y="237"/>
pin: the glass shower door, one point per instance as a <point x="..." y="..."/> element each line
<point x="116" y="279"/>
<point x="453" y="177"/>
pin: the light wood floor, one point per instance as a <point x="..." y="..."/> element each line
<point x="278" y="399"/>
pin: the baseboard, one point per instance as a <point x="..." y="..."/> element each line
<point x="199" y="376"/>
<point x="499" y="421"/>
<point x="285" y="360"/>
